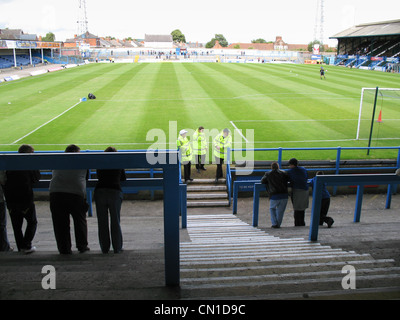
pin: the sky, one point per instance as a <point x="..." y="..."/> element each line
<point x="238" y="21"/>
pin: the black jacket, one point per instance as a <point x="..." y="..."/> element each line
<point x="276" y="182"/>
<point x="19" y="184"/>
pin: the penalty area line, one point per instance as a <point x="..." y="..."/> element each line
<point x="46" y="123"/>
<point x="240" y="132"/>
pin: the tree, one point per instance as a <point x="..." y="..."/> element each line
<point x="221" y="39"/>
<point x="50" y="37"/>
<point x="178" y="36"/>
<point x="259" y="40"/>
<point x="211" y="43"/>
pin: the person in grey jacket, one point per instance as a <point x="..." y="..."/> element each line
<point x="68" y="197"/>
<point x="298" y="177"/>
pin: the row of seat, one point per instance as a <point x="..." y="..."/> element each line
<point x="7" y="61"/>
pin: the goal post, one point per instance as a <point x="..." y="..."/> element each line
<point x="369" y="108"/>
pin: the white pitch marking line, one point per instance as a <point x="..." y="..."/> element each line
<point x="41" y="126"/>
<point x="240" y="131"/>
<point x="308" y="120"/>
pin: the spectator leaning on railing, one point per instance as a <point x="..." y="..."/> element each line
<point x="68" y="197"/>
<point x="18" y="191"/>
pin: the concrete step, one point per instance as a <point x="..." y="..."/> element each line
<point x="299" y="274"/>
<point x="206" y="196"/>
<point x="260" y="269"/>
<point x="228" y="258"/>
<point x="208" y="203"/>
<point x="286" y="285"/>
<point x="208" y="181"/>
<point x="206" y="188"/>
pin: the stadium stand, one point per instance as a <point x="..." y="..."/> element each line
<point x="372" y="45"/>
<point x="7" y="61"/>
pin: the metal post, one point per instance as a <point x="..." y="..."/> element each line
<point x="357" y="211"/>
<point x="316" y="209"/>
<point x="15" y="58"/>
<point x="337" y="168"/>
<point x="359" y="114"/>
<point x="171" y="226"/>
<point x="235" y="196"/>
<point x="280" y="157"/>
<point x="389" y="197"/>
<point x="256" y="203"/>
<point x="373" y="119"/>
<point x="183" y="196"/>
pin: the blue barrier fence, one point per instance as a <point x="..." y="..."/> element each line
<point x="347" y="180"/>
<point x="280" y="151"/>
<point x="110" y="160"/>
<point x="360" y="180"/>
<point x="126" y="188"/>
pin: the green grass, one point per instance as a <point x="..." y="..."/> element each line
<point x="284" y="105"/>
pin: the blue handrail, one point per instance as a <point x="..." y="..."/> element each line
<point x="333" y="180"/>
<point x="109" y="160"/>
<point x="337" y="169"/>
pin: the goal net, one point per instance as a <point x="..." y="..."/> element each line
<point x="383" y="116"/>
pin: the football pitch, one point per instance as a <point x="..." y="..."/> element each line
<point x="264" y="105"/>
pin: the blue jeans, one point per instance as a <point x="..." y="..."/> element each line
<point x="109" y="200"/>
<point x="277" y="209"/>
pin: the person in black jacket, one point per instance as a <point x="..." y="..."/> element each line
<point x="276" y="182"/>
<point x="108" y="197"/>
<point x="18" y="191"/>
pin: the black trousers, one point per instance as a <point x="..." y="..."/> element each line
<point x="200" y="160"/>
<point x="61" y="206"/>
<point x="187" y="165"/>
<point x="323" y="217"/>
<point x="299" y="218"/>
<point x="219" y="162"/>
<point x="19" y="212"/>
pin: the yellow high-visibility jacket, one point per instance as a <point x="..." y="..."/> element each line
<point x="223" y="143"/>
<point x="184" y="148"/>
<point x="199" y="143"/>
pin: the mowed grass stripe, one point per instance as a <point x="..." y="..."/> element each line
<point x="201" y="108"/>
<point x="115" y="120"/>
<point x="309" y="87"/>
<point x="164" y="103"/>
<point x="314" y="108"/>
<point x="285" y="130"/>
<point x="23" y="116"/>
<point x="131" y="101"/>
<point x="77" y="125"/>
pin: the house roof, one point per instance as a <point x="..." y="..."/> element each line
<point x="16" y="34"/>
<point x="383" y="28"/>
<point x="87" y="35"/>
<point x="158" y="38"/>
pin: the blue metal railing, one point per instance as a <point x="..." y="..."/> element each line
<point x="332" y="180"/>
<point x="337" y="169"/>
<point x="360" y="180"/>
<point x="109" y="160"/>
<point x="43" y="185"/>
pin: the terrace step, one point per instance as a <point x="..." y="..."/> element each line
<point x="207" y="193"/>
<point x="227" y="258"/>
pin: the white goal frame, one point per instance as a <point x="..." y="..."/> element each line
<point x="361" y="105"/>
